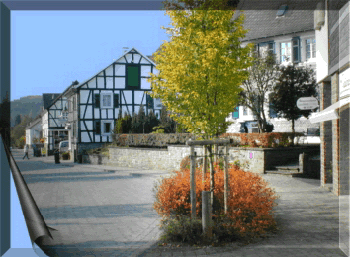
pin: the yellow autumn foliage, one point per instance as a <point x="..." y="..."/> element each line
<point x="201" y="68"/>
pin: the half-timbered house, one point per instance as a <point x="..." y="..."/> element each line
<point x="86" y="111"/>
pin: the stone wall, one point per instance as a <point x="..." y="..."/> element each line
<point x="256" y="160"/>
<point x="96" y="159"/>
<point x="149" y="158"/>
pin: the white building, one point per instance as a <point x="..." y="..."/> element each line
<point x="84" y="113"/>
<point x="33" y="132"/>
<point x="288" y="32"/>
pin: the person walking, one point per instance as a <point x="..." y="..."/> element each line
<point x="26" y="150"/>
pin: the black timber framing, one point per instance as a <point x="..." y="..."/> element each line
<point x="103" y="85"/>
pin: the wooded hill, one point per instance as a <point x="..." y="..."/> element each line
<point x="28" y="105"/>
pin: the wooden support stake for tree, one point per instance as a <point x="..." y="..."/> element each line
<point x="205" y="162"/>
<point x="193" y="183"/>
<point x="226" y="178"/>
<point x="215" y="153"/>
<point x="206" y="221"/>
<point x="212" y="185"/>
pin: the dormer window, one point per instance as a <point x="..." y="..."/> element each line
<point x="281" y="11"/>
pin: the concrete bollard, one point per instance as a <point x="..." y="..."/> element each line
<point x="206" y="221"/>
<point x="303" y="163"/>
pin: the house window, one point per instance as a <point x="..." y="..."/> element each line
<point x="245" y="110"/>
<point x="285" y="52"/>
<point x="296" y="50"/>
<point x="133" y="76"/>
<point x="106" y="100"/>
<point x="266" y="48"/>
<point x="149" y="102"/>
<point x="272" y="112"/>
<point x="310" y="48"/>
<point x="282" y="10"/>
<point x="106" y="127"/>
<point x="235" y="114"/>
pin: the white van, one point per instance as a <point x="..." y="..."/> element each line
<point x="63" y="146"/>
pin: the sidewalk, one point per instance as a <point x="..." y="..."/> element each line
<point x="103" y="210"/>
<point x="308" y="218"/>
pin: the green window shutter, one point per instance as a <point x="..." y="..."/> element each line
<point x="235" y="114"/>
<point x="116" y="100"/>
<point x="97" y="127"/>
<point x="296" y="49"/>
<point x="133" y="76"/>
<point x="97" y="100"/>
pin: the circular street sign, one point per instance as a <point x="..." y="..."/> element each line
<point x="307" y="103"/>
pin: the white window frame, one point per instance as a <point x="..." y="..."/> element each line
<point x="103" y="133"/>
<point x="290" y="51"/>
<point x="311" y="48"/>
<point x="110" y="94"/>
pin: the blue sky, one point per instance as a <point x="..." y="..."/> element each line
<point x="50" y="49"/>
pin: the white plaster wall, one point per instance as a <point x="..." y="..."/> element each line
<point x="322" y="51"/>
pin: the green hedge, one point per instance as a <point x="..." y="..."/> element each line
<point x="265" y="140"/>
<point x="151" y="140"/>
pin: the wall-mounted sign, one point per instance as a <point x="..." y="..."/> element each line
<point x="344" y="84"/>
<point x="307" y="103"/>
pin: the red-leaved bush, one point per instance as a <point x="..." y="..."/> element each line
<point x="250" y="201"/>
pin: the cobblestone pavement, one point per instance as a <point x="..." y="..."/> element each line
<point x="96" y="210"/>
<point x="307" y="216"/>
<point x="107" y="211"/>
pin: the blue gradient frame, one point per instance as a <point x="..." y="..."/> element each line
<point x="7" y="201"/>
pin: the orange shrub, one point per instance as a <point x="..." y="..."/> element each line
<point x="250" y="201"/>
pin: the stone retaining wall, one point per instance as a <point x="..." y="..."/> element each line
<point x="256" y="160"/>
<point x="96" y="159"/>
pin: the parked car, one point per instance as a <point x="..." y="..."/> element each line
<point x="63" y="146"/>
<point x="252" y="127"/>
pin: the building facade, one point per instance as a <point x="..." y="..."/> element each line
<point x="334" y="80"/>
<point x="288" y="32"/>
<point x="33" y="132"/>
<point x="84" y="114"/>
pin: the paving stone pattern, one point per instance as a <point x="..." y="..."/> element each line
<point x="107" y="211"/>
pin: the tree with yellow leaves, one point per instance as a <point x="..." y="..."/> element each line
<point x="201" y="68"/>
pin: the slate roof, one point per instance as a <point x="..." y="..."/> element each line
<point x="262" y="22"/>
<point x="48" y="99"/>
<point x="33" y="123"/>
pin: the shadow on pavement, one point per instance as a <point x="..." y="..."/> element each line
<point x="95" y="248"/>
<point x="71" y="177"/>
<point x="104" y="211"/>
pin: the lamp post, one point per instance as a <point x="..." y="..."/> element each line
<point x="67" y="125"/>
